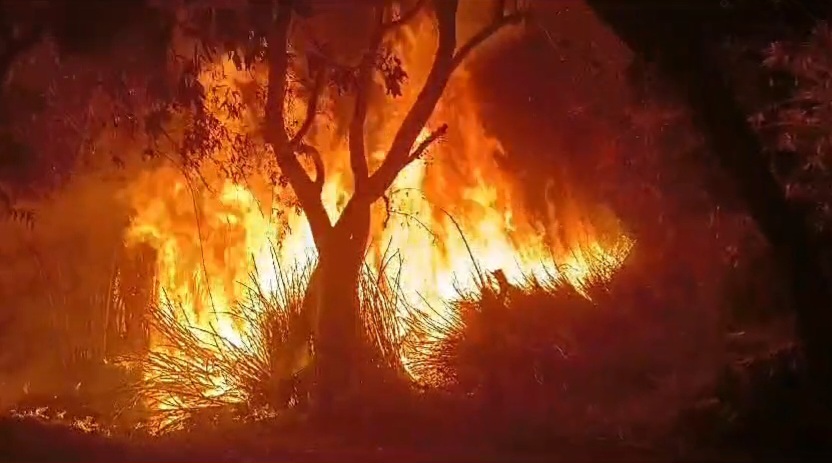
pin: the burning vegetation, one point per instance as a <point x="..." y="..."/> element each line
<point x="447" y="221"/>
<point x="301" y="212"/>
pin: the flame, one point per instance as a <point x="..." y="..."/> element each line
<point x="446" y="212"/>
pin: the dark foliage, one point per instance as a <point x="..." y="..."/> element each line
<point x="764" y="406"/>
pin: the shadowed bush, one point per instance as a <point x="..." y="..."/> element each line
<point x="540" y="361"/>
<point x="762" y="405"/>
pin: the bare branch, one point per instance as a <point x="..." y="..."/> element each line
<point x="435" y="135"/>
<point x="485" y="34"/>
<point x="276" y="135"/>
<point x="357" y="139"/>
<point x="278" y="69"/>
<point x="387" y="209"/>
<point x="357" y="144"/>
<point x="447" y="60"/>
<point x="311" y="109"/>
<point x="399" y="153"/>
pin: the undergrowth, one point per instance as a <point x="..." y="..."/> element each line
<point x="196" y="372"/>
<point x="523" y="361"/>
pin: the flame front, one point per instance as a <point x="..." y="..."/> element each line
<point x="443" y="214"/>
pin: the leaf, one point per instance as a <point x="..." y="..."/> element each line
<point x="392" y="71"/>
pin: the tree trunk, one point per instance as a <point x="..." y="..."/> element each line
<point x="136" y="287"/>
<point x="332" y="304"/>
<point x="678" y="43"/>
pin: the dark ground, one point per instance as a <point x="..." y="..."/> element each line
<point x="30" y="440"/>
<point x="778" y="428"/>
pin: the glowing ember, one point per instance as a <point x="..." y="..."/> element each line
<point x="210" y="242"/>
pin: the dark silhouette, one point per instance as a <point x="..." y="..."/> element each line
<point x="679" y="37"/>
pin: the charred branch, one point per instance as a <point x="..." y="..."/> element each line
<point x="357" y="144"/>
<point x="447" y="60"/>
<point x="398" y="155"/>
<point x="358" y="155"/>
<point x="425" y="144"/>
<point x="311" y="109"/>
<point x="278" y="67"/>
<point x="480" y="37"/>
<point x="320" y="170"/>
<point x="276" y="134"/>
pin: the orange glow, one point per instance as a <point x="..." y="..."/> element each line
<point x="204" y="258"/>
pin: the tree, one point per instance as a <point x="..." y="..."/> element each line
<point x="333" y="290"/>
<point x="679" y="39"/>
<point x="261" y="33"/>
<point x="87" y="30"/>
<point x="797" y="123"/>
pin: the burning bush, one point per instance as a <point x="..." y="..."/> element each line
<point x="217" y="344"/>
<point x="540" y="361"/>
<point x="509" y="348"/>
<point x="254" y="370"/>
<point x="61" y="319"/>
<point x="503" y="341"/>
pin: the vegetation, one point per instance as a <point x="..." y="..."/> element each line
<point x="712" y="339"/>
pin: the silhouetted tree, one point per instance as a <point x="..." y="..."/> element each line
<point x="260" y="33"/>
<point x="679" y="37"/>
<point x="89" y="29"/>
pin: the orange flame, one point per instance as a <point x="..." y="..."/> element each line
<point x="203" y="257"/>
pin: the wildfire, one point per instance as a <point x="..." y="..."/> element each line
<point x="448" y="216"/>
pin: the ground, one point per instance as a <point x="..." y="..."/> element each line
<point x="31" y="440"/>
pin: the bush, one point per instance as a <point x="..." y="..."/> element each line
<point x="200" y="374"/>
<point x="762" y="405"/>
<point x="539" y="362"/>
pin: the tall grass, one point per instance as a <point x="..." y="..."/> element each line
<point x="192" y="370"/>
<point x="475" y="330"/>
<point x="59" y="319"/>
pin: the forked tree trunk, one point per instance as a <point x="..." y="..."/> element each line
<point x="333" y="306"/>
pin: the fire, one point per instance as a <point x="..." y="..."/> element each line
<point x="450" y="215"/>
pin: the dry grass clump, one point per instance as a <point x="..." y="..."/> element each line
<point x="200" y="373"/>
<point x="547" y="359"/>
<point x="493" y="343"/>
<point x="499" y="336"/>
<point x="199" y="369"/>
<point x="56" y="285"/>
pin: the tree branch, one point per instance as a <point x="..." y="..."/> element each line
<point x="320" y="171"/>
<point x="357" y="143"/>
<point x="278" y="69"/>
<point x="276" y="135"/>
<point x="485" y="34"/>
<point x="357" y="136"/>
<point x="399" y="152"/>
<point x="425" y="144"/>
<point x="447" y="60"/>
<point x="311" y="109"/>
